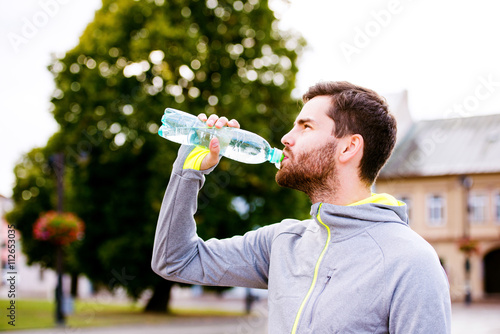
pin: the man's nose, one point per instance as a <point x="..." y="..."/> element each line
<point x="287" y="139"/>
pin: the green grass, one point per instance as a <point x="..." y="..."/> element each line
<point x="32" y="314"/>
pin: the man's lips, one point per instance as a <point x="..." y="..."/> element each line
<point x="286" y="155"/>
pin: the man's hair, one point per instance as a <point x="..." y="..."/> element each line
<point x="357" y="110"/>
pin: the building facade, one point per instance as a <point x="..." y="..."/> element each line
<point x="448" y="172"/>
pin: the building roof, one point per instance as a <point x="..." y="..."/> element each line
<point x="467" y="145"/>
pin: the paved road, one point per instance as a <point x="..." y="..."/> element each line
<point x="237" y="325"/>
<point x="205" y="326"/>
<point x="476" y="319"/>
<point x="473" y="319"/>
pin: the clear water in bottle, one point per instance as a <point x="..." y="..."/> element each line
<point x="236" y="144"/>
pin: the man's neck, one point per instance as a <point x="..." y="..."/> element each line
<point x="342" y="191"/>
<point x="338" y="198"/>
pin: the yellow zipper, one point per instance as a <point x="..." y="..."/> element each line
<point x="315" y="277"/>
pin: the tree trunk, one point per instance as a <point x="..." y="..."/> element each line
<point x="160" y="299"/>
<point x="74" y="285"/>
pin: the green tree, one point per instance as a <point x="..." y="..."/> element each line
<point x="35" y="192"/>
<point x="135" y="59"/>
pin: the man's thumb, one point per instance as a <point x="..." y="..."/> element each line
<point x="212" y="158"/>
<point x="214" y="147"/>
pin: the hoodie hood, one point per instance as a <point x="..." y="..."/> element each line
<point x="346" y="221"/>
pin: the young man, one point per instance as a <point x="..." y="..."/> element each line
<point x="355" y="267"/>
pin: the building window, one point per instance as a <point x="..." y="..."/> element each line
<point x="478" y="204"/>
<point x="497" y="207"/>
<point x="407" y="200"/>
<point x="435" y="210"/>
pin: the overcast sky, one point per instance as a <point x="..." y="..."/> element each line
<point x="444" y="53"/>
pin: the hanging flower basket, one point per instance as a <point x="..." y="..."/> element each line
<point x="468" y="245"/>
<point x="58" y="228"/>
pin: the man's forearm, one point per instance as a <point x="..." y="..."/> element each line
<point x="176" y="240"/>
<point x="180" y="255"/>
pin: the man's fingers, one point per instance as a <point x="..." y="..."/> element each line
<point x="212" y="119"/>
<point x="222" y="121"/>
<point x="218" y="122"/>
<point x="233" y="124"/>
<point x="212" y="158"/>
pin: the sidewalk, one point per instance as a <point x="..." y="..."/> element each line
<point x="246" y="325"/>
<point x="477" y="318"/>
<point x="255" y="323"/>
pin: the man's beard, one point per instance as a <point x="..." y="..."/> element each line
<point x="313" y="173"/>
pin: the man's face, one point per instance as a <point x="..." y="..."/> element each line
<point x="310" y="148"/>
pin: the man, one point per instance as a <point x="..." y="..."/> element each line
<point x="355" y="267"/>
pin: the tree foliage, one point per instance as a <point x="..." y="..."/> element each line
<point x="135" y="59"/>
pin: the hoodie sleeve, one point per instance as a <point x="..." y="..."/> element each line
<point x="420" y="300"/>
<point x="180" y="255"/>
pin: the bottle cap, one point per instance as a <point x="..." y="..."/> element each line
<point x="276" y="157"/>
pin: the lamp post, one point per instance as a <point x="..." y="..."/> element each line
<point x="57" y="163"/>
<point x="466" y="182"/>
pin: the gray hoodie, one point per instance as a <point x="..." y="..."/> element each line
<point x="349" y="269"/>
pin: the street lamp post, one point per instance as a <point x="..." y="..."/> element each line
<point x="467" y="184"/>
<point x="58" y="166"/>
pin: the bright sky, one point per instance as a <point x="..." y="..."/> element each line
<point x="445" y="53"/>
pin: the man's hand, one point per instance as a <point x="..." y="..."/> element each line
<point x="213" y="157"/>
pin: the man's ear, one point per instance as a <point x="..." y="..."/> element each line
<point x="351" y="146"/>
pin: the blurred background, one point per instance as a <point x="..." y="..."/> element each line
<point x="84" y="86"/>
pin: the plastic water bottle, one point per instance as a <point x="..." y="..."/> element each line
<point x="236" y="144"/>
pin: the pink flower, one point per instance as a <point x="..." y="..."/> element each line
<point x="58" y="228"/>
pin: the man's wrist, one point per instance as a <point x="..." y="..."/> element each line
<point x="195" y="158"/>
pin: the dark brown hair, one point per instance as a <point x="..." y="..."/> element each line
<point x="358" y="110"/>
